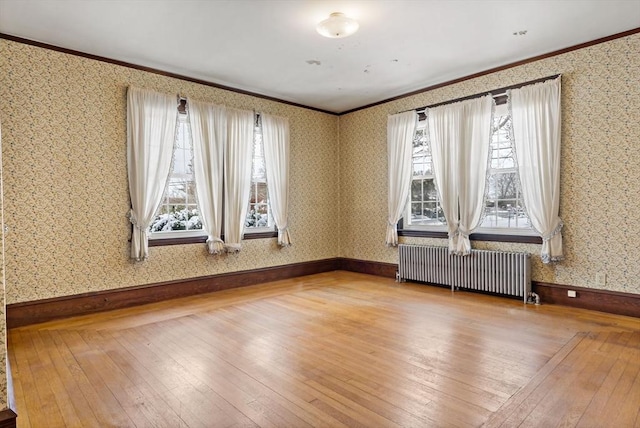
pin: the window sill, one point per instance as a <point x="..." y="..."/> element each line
<point x="202" y="239"/>
<point x="491" y="237"/>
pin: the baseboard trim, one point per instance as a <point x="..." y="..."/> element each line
<point x="8" y="418"/>
<point x="387" y="270"/>
<point x="27" y="313"/>
<point x="613" y="302"/>
<point x="34" y="312"/>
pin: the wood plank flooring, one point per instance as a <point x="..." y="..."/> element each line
<point x="337" y="349"/>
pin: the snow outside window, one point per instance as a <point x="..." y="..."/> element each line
<point x="258" y="215"/>
<point x="424" y="210"/>
<point x="177" y="215"/>
<point x="504" y="208"/>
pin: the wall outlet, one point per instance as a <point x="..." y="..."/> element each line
<point x="601" y="278"/>
<point x="571" y="293"/>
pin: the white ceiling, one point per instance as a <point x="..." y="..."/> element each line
<point x="271" y="47"/>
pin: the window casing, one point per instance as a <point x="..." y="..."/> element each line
<point x="424" y="210"/>
<point x="177" y="215"/>
<point x="504" y="207"/>
<point x="177" y="220"/>
<point x="258" y="218"/>
<point x="504" y="219"/>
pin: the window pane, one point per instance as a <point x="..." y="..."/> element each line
<point x="429" y="190"/>
<point x="416" y="211"/>
<point x="178" y="210"/>
<point x="261" y="192"/>
<point x="416" y="190"/>
<point x="258" y="214"/>
<point x="491" y="218"/>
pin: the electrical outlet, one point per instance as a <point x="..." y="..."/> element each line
<point x="601" y="278"/>
<point x="571" y="293"/>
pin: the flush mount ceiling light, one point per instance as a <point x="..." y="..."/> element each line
<point x="337" y="25"/>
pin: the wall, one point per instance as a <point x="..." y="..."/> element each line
<point x="65" y="189"/>
<point x="3" y="324"/>
<point x="600" y="176"/>
<point x="66" y="193"/>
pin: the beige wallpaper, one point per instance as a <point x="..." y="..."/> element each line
<point x="3" y="323"/>
<point x="600" y="178"/>
<point x="66" y="195"/>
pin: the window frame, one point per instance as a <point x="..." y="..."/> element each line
<point x="198" y="236"/>
<point x="179" y="236"/>
<point x="264" y="231"/>
<point x="422" y="126"/>
<point x="514" y="235"/>
<point x="501" y="109"/>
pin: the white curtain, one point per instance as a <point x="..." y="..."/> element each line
<point x="275" y="137"/>
<point x="401" y="129"/>
<point x="151" y="129"/>
<point x="209" y="133"/>
<point x="237" y="165"/>
<point x="473" y="163"/>
<point x="535" y="112"/>
<point x="444" y="136"/>
<point x="460" y="135"/>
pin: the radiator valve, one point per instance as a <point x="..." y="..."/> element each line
<point x="533" y="298"/>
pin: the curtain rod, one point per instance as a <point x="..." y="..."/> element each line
<point x="495" y="93"/>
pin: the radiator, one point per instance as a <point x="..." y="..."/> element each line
<point x="498" y="272"/>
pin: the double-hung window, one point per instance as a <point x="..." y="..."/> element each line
<point x="177" y="215"/>
<point x="424" y="210"/>
<point x="504" y="208"/>
<point x="258" y="214"/>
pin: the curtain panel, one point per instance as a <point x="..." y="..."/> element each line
<point x="151" y="129"/>
<point x="535" y="112"/>
<point x="275" y="137"/>
<point x="401" y="129"/>
<point x="460" y="137"/>
<point x="209" y="133"/>
<point x="473" y="163"/>
<point x="237" y="167"/>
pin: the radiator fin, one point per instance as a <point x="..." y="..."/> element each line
<point x="498" y="272"/>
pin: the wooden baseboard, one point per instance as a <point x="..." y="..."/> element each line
<point x="387" y="270"/>
<point x="613" y="302"/>
<point x="27" y="313"/>
<point x="21" y="314"/>
<point x="8" y="418"/>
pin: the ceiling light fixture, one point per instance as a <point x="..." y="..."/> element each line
<point x="337" y="25"/>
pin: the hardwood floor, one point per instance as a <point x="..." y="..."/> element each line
<point x="336" y="349"/>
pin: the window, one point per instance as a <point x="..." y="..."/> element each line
<point x="505" y="218"/>
<point x="504" y="209"/>
<point x="177" y="215"/>
<point x="258" y="214"/>
<point x="178" y="211"/>
<point x="424" y="208"/>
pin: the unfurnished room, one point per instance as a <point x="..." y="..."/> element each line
<point x="319" y="213"/>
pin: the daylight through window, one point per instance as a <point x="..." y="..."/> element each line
<point x="178" y="216"/>
<point x="424" y="208"/>
<point x="504" y="208"/>
<point x="179" y="210"/>
<point x="258" y="214"/>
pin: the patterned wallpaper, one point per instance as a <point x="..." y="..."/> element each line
<point x="66" y="195"/>
<point x="600" y="175"/>
<point x="3" y="323"/>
